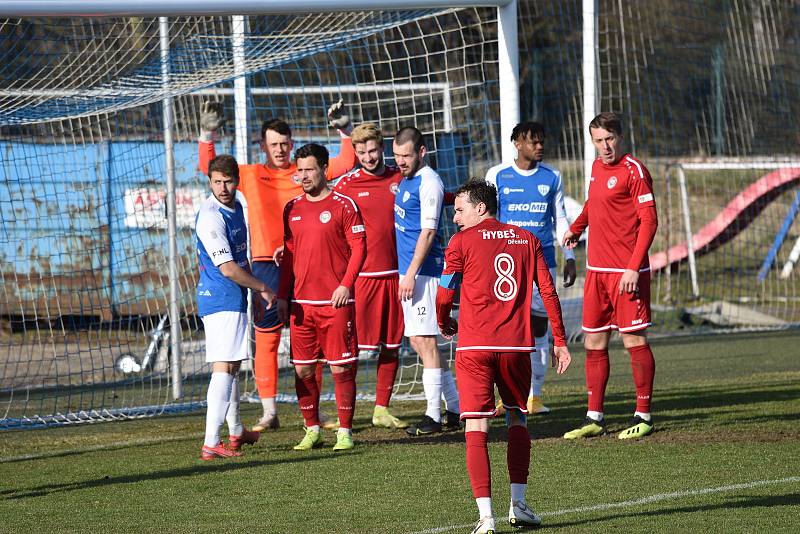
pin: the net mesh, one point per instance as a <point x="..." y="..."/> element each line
<point x="711" y="82"/>
<point x="85" y="288"/>
<point x="83" y="240"/>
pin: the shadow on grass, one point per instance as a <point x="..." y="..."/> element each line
<point x="740" y="502"/>
<point x="684" y="406"/>
<point x="216" y="466"/>
<point x="101" y="448"/>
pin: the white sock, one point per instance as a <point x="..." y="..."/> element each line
<point x="485" y="506"/>
<point x="518" y="492"/>
<point x="268" y="404"/>
<point x="432" y="384"/>
<point x="597" y="416"/>
<point x="219" y="398"/>
<point x="235" y="427"/>
<point x="348" y="431"/>
<point x="449" y="392"/>
<point x="643" y="415"/>
<point x="539" y="363"/>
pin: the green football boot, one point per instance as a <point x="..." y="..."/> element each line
<point x="344" y="441"/>
<point x="312" y="439"/>
<point x="588" y="429"/>
<point x="382" y="418"/>
<point x="639" y="428"/>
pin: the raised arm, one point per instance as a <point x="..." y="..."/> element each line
<point x="338" y="118"/>
<point x="211" y="119"/>
<point x="344" y="162"/>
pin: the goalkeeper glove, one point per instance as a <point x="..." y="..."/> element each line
<point x="211" y="119"/>
<point x="338" y="117"/>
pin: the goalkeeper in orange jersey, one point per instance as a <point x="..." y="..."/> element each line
<point x="268" y="187"/>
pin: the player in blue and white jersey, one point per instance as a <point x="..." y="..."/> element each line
<point x="530" y="194"/>
<point x="417" y="210"/>
<point x="225" y="275"/>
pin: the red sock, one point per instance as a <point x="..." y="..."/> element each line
<point x="644" y="371"/>
<point x="308" y="398"/>
<point x="518" y="455"/>
<point x="345" y="383"/>
<point x="387" y="372"/>
<point x="597" y="367"/>
<point x="318" y="376"/>
<point x="480" y="476"/>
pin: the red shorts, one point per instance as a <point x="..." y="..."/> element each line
<point x="322" y="333"/>
<point x="605" y="309"/>
<point x="379" y="315"/>
<point x="477" y="372"/>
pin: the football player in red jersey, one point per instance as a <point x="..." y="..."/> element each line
<point x="496" y="265"/>
<point x="268" y="187"/>
<point x="621" y="212"/>
<point x="324" y="249"/>
<point x="379" y="315"/>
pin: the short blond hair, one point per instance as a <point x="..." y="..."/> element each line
<point x="366" y="132"/>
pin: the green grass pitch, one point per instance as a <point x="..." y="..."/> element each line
<point x="725" y="458"/>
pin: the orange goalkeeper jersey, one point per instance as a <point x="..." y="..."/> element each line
<point x="268" y="190"/>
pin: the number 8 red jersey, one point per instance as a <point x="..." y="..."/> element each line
<point x="497" y="265"/>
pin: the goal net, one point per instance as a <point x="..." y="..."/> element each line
<point x="709" y="95"/>
<point x="82" y="182"/>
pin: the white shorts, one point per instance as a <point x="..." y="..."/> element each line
<point x="537" y="306"/>
<point x="226" y="336"/>
<point x="419" y="313"/>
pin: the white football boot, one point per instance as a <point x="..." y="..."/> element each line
<point x="521" y="516"/>
<point x="485" y="525"/>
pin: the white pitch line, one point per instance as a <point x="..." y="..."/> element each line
<point x="95" y="448"/>
<point x="638" y="502"/>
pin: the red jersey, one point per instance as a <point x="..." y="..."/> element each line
<point x="498" y="264"/>
<point x="324" y="248"/>
<point x="267" y="191"/>
<point x="621" y="212"/>
<point x="375" y="197"/>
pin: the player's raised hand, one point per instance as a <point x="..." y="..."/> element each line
<point x="570" y="239"/>
<point x="449" y="329"/>
<point x="561" y="359"/>
<point x="340" y="297"/>
<point x="570" y="273"/>
<point x="211" y="116"/>
<point x="338" y="117"/>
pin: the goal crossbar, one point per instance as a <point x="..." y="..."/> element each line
<point x="119" y="8"/>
